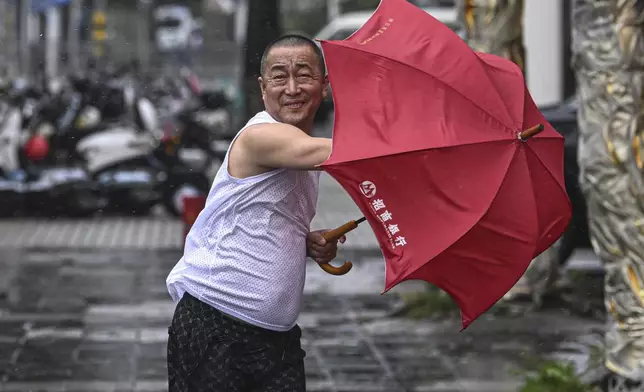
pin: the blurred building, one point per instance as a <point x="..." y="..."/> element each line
<point x="203" y="33"/>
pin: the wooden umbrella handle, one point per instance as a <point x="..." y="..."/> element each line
<point x="530" y="132"/>
<point x="334" y="235"/>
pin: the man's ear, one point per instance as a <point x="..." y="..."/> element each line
<point x="325" y="92"/>
<point x="262" y="86"/>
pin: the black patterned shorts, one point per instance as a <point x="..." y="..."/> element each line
<point x="210" y="351"/>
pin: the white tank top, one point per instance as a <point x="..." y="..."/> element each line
<point x="246" y="252"/>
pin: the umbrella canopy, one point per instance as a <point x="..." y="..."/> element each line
<point x="428" y="143"/>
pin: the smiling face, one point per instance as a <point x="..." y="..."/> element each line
<point x="293" y="85"/>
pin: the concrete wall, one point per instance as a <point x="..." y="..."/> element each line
<point x="543" y="38"/>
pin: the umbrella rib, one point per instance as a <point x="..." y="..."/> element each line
<point x="536" y="209"/>
<point x="425" y="149"/>
<point x="432" y="76"/>
<point x="481" y="56"/>
<point x="554" y="178"/>
<point x="416" y="150"/>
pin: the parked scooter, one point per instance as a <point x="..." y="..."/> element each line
<point x="25" y="187"/>
<point x="203" y="119"/>
<point x="96" y="143"/>
<point x="114" y="132"/>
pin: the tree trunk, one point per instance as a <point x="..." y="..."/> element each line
<point x="496" y="27"/>
<point x="608" y="58"/>
<point x="263" y="27"/>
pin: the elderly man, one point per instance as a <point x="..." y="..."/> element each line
<point x="239" y="283"/>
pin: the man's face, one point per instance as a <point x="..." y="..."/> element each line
<point x="293" y="85"/>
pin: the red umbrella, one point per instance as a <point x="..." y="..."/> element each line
<point x="446" y="154"/>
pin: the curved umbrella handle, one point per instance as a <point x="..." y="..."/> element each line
<point x="341" y="270"/>
<point x="334" y="235"/>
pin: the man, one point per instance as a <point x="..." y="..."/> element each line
<point x="239" y="283"/>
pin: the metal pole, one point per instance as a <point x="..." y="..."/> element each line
<point x="4" y="37"/>
<point x="73" y="34"/>
<point x="143" y="33"/>
<point x="24" y="46"/>
<point x="52" y="40"/>
<point x="9" y="19"/>
<point x="99" y="27"/>
<point x="332" y="9"/>
<point x="241" y="27"/>
<point x="241" y="23"/>
<point x="34" y="38"/>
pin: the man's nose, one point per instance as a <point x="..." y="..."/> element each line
<point x="292" y="87"/>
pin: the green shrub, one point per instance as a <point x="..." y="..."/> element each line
<point x="554" y="376"/>
<point x="431" y="303"/>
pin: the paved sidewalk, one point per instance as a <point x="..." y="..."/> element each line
<point x="88" y="321"/>
<point x="160" y="231"/>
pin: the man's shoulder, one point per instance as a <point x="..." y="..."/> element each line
<point x="260" y="118"/>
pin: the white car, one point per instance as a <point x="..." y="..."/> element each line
<point x="176" y="28"/>
<point x="346" y="24"/>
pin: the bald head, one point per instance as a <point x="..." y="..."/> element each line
<point x="293" y="41"/>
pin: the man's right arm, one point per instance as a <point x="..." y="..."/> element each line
<point x="284" y="146"/>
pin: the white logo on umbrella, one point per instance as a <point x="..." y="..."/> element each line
<point x="368" y="189"/>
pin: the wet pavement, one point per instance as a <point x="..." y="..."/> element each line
<point x="159" y="231"/>
<point x="97" y="321"/>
